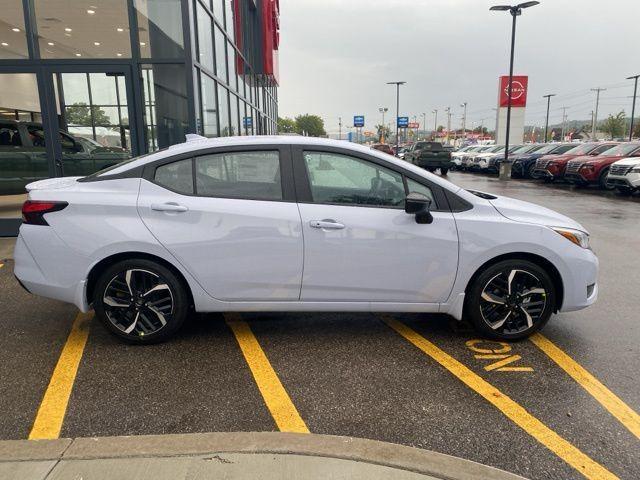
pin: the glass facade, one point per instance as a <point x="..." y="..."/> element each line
<point x="84" y="85"/>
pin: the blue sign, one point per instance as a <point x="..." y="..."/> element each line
<point x="358" y="121"/>
<point x="247" y="122"/>
<point x="403" y="122"/>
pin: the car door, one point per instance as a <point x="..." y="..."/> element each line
<point x="360" y="245"/>
<point x="229" y="217"/>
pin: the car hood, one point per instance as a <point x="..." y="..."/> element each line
<point x="525" y="212"/>
<point x="560" y="158"/>
<point x="598" y="159"/>
<point x="52" y="183"/>
<point x="629" y="161"/>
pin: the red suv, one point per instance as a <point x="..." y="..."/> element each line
<point x="587" y="170"/>
<point x="552" y="167"/>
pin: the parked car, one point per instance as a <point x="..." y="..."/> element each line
<point x="467" y="161"/>
<point x="493" y="161"/>
<point x="523" y="165"/>
<point x="382" y="147"/>
<point x="624" y="175"/>
<point x="551" y="168"/>
<point x="478" y="161"/>
<point x="430" y="156"/>
<point x="295" y="224"/>
<point x="588" y="170"/>
<point x="23" y="157"/>
<point x="457" y="157"/>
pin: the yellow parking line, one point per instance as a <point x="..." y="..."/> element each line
<point x="275" y="396"/>
<point x="48" y="422"/>
<point x="514" y="411"/>
<point x="625" y="414"/>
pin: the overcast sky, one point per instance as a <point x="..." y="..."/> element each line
<point x="336" y="56"/>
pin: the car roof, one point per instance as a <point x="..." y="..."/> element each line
<point x="197" y="143"/>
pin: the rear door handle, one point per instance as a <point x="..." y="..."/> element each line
<point x="327" y="224"/>
<point x="168" y="207"/>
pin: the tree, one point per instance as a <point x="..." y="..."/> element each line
<point x="383" y="132"/>
<point x="614" y="126"/>
<point x="310" y="125"/>
<point x="286" y="125"/>
<point x="636" y="128"/>
<point x="80" y="114"/>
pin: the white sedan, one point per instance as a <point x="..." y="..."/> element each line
<point x="295" y="224"/>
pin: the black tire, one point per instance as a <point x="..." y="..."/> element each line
<point x="530" y="170"/>
<point x="520" y="314"/>
<point x="602" y="180"/>
<point x="430" y="169"/>
<point x="152" y="316"/>
<point x="444" y="171"/>
<point x="624" y="190"/>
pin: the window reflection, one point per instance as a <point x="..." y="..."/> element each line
<point x="209" y="107"/>
<point x="166" y="114"/>
<point x="223" y="107"/>
<point x="22" y="156"/>
<point x="160" y="28"/>
<point x="205" y="39"/>
<point x="13" y="40"/>
<point x="70" y="30"/>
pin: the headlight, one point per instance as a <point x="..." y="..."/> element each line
<point x="575" y="236"/>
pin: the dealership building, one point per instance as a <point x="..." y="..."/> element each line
<point x="85" y="84"/>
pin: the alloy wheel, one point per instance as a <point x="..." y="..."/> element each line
<point x="138" y="302"/>
<point x="513" y="301"/>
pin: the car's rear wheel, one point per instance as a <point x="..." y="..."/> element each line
<point x="140" y="301"/>
<point x="510" y="300"/>
<point x="444" y="171"/>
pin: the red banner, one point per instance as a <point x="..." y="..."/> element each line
<point x="518" y="91"/>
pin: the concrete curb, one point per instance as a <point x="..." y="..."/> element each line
<point x="346" y="448"/>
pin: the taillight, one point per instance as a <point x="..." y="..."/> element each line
<point x="33" y="211"/>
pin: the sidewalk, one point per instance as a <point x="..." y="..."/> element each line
<point x="265" y="456"/>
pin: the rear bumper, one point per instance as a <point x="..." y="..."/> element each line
<point x="429" y="163"/>
<point x="30" y="275"/>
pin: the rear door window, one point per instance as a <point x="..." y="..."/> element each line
<point x="251" y="175"/>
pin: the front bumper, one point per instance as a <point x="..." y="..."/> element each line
<point x="631" y="180"/>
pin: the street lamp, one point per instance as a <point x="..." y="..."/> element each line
<point x="633" y="108"/>
<point x="424" y="125"/>
<point x="515" y="11"/>
<point x="397" y="84"/>
<point x="464" y="120"/>
<point x="435" y="123"/>
<point x="546" y="123"/>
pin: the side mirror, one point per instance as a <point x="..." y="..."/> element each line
<point x="418" y="205"/>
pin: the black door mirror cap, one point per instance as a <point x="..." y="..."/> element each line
<point x="418" y="205"/>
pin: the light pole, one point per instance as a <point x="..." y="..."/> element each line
<point x="448" y="110"/>
<point x="397" y="84"/>
<point x="546" y="123"/>
<point x="464" y="119"/>
<point x="339" y="128"/>
<point x="633" y="107"/>
<point x="515" y="11"/>
<point x="382" y="110"/>
<point x="435" y="123"/>
<point x="594" y="126"/>
<point x="424" y="125"/>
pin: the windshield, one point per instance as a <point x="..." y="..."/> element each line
<point x="582" y="149"/>
<point x="622" y="150"/>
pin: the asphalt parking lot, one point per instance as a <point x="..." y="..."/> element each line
<point x="561" y="405"/>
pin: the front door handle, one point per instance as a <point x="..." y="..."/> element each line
<point x="327" y="224"/>
<point x="168" y="207"/>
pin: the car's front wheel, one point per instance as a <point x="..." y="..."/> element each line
<point x="140" y="301"/>
<point x="444" y="171"/>
<point x="510" y="300"/>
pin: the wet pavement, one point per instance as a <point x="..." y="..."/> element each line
<point x="351" y="374"/>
